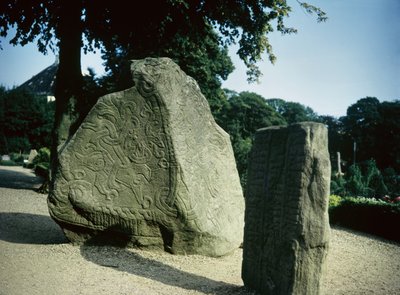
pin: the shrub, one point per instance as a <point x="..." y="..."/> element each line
<point x="364" y="180"/>
<point x="392" y="181"/>
<point x="41" y="166"/>
<point x="8" y="163"/>
<point x="373" y="180"/>
<point x="17" y="158"/>
<point x="368" y="215"/>
<point x="42" y="157"/>
<point x="354" y="183"/>
<point x="14" y="143"/>
<point x="334" y="201"/>
<point x="338" y="185"/>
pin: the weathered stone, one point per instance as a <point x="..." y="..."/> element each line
<point x="5" y="158"/>
<point x="32" y="155"/>
<point x="150" y="166"/>
<point x="286" y="219"/>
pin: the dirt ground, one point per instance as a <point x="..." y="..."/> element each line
<point x="35" y="258"/>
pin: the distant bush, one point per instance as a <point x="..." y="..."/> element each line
<point x="41" y="166"/>
<point x="366" y="180"/>
<point x="8" y="163"/>
<point x="338" y="185"/>
<point x="18" y="158"/>
<point x="43" y="156"/>
<point x="366" y="214"/>
<point x="26" y="121"/>
<point x="392" y="181"/>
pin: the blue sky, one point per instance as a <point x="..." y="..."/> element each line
<point x="326" y="66"/>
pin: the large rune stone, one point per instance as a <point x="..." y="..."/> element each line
<point x="286" y="219"/>
<point x="150" y="167"/>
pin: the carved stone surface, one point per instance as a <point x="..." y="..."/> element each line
<point x="286" y="219"/>
<point x="150" y="167"/>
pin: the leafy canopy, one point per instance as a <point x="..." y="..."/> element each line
<point x="241" y="116"/>
<point x="293" y="112"/>
<point x="154" y="24"/>
<point x="26" y="121"/>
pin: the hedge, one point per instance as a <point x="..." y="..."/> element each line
<point x="368" y="215"/>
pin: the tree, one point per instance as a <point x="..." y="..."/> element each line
<point x="361" y="124"/>
<point x="65" y="24"/>
<point x="338" y="141"/>
<point x="201" y="58"/>
<point x="3" y="139"/>
<point x="26" y="121"/>
<point x="375" y="127"/>
<point x="293" y="112"/>
<point x="373" y="180"/>
<point x="388" y="133"/>
<point x="243" y="114"/>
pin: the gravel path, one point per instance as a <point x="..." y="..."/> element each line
<point x="35" y="258"/>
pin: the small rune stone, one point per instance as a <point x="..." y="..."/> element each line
<point x="286" y="217"/>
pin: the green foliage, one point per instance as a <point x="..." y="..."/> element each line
<point x="92" y="89"/>
<point x="362" y="201"/>
<point x="336" y="138"/>
<point x="247" y="112"/>
<point x="199" y="56"/>
<point x="354" y="184"/>
<point x="14" y="143"/>
<point x="180" y="29"/>
<point x="241" y="116"/>
<point x="363" y="180"/>
<point x="373" y="180"/>
<point x="43" y="157"/>
<point x="338" y="185"/>
<point x="375" y="127"/>
<point x="392" y="181"/>
<point x="293" y="112"/>
<point x="41" y="166"/>
<point x="26" y="121"/>
<point x="18" y="158"/>
<point x="388" y="136"/>
<point x="208" y="69"/>
<point x="334" y="201"/>
<point x="8" y="163"/>
<point x="247" y="23"/>
<point x="361" y="125"/>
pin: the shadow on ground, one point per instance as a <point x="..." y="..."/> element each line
<point x="25" y="228"/>
<point x="127" y="261"/>
<point x="18" y="179"/>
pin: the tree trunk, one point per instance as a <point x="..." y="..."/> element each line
<point x="68" y="86"/>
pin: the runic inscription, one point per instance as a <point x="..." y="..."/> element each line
<point x="150" y="165"/>
<point x="286" y="220"/>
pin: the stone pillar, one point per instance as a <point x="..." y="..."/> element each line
<point x="286" y="217"/>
